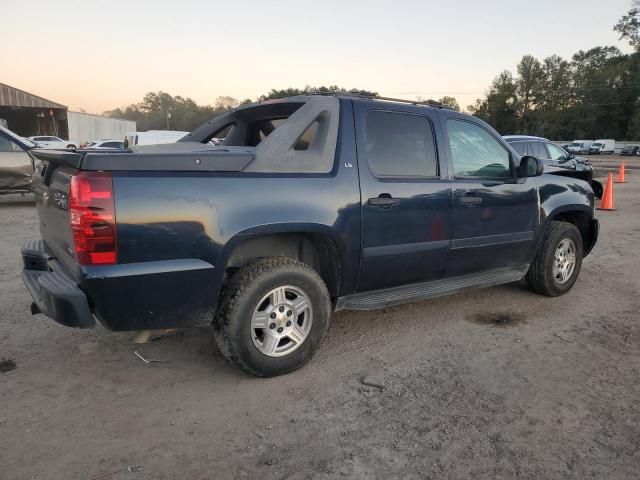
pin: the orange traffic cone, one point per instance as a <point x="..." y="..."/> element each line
<point x="607" y="196"/>
<point x="621" y="178"/>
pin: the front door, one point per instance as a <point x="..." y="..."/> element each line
<point x="494" y="211"/>
<point x="406" y="196"/>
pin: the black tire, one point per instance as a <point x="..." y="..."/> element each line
<point x="239" y="298"/>
<point x="71" y="146"/>
<point x="540" y="276"/>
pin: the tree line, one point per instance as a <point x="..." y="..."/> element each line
<point x="160" y="110"/>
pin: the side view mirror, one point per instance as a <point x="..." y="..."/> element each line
<point x="530" y="167"/>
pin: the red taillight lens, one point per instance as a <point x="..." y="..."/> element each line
<point x="93" y="218"/>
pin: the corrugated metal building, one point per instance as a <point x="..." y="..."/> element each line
<point x="27" y="114"/>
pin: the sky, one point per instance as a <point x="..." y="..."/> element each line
<point x="97" y="56"/>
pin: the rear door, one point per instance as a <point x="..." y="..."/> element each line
<point x="406" y="197"/>
<point x="494" y="212"/>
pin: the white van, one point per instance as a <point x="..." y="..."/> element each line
<point x="603" y="147"/>
<point x="580" y="146"/>
<point x="152" y="137"/>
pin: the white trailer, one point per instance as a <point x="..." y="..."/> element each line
<point x="84" y="127"/>
<point x="153" y="137"/>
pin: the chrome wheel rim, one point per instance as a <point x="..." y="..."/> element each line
<point x="565" y="261"/>
<point x="281" y="321"/>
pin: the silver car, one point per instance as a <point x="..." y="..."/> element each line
<point x="16" y="164"/>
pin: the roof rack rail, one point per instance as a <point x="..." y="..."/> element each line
<point x="431" y="103"/>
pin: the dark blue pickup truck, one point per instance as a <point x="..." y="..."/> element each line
<point x="311" y="204"/>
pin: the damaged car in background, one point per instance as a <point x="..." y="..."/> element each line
<point x="556" y="159"/>
<point x="16" y="163"/>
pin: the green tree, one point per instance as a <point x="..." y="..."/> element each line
<point x="450" y="102"/>
<point x="499" y="106"/>
<point x="528" y="90"/>
<point x="629" y="25"/>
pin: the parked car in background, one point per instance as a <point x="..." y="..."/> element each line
<point x="153" y="137"/>
<point x="603" y="147"/>
<point x="630" y="150"/>
<point x="16" y="164"/>
<point x="556" y="159"/>
<point x="105" y="144"/>
<point x="580" y="146"/>
<point x="314" y="204"/>
<point x="46" y="141"/>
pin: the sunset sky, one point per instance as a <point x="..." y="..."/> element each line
<point x="102" y="55"/>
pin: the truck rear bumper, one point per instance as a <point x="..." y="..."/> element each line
<point x="133" y="296"/>
<point x="53" y="291"/>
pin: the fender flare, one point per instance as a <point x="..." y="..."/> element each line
<point x="564" y="209"/>
<point x="275" y="229"/>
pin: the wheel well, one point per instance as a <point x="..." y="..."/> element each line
<point x="582" y="222"/>
<point x="316" y="250"/>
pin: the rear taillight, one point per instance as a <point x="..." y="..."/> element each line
<point x="93" y="218"/>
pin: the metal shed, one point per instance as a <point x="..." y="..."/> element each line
<point x="27" y="114"/>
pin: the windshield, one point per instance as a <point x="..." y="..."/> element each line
<point x="597" y="145"/>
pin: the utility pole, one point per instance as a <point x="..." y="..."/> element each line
<point x="168" y="120"/>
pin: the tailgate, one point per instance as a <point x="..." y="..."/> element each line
<point x="51" y="184"/>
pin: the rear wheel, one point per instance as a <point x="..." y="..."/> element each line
<point x="556" y="266"/>
<point x="273" y="315"/>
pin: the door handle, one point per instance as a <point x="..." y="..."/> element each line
<point x="383" y="200"/>
<point x="470" y="199"/>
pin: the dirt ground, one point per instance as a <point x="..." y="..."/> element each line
<point x="499" y="384"/>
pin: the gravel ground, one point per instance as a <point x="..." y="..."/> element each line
<point x="499" y="383"/>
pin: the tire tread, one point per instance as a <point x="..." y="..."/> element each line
<point x="233" y="292"/>
<point x="538" y="278"/>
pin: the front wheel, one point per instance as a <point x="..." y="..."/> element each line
<point x="557" y="263"/>
<point x="273" y="315"/>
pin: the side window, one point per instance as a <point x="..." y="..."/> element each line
<point x="542" y="152"/>
<point x="519" y="147"/>
<point x="476" y="153"/>
<point x="556" y="152"/>
<point x="400" y="145"/>
<point x="532" y="149"/>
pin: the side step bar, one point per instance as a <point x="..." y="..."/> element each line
<point x="421" y="291"/>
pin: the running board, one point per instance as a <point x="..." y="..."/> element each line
<point x="422" y="291"/>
